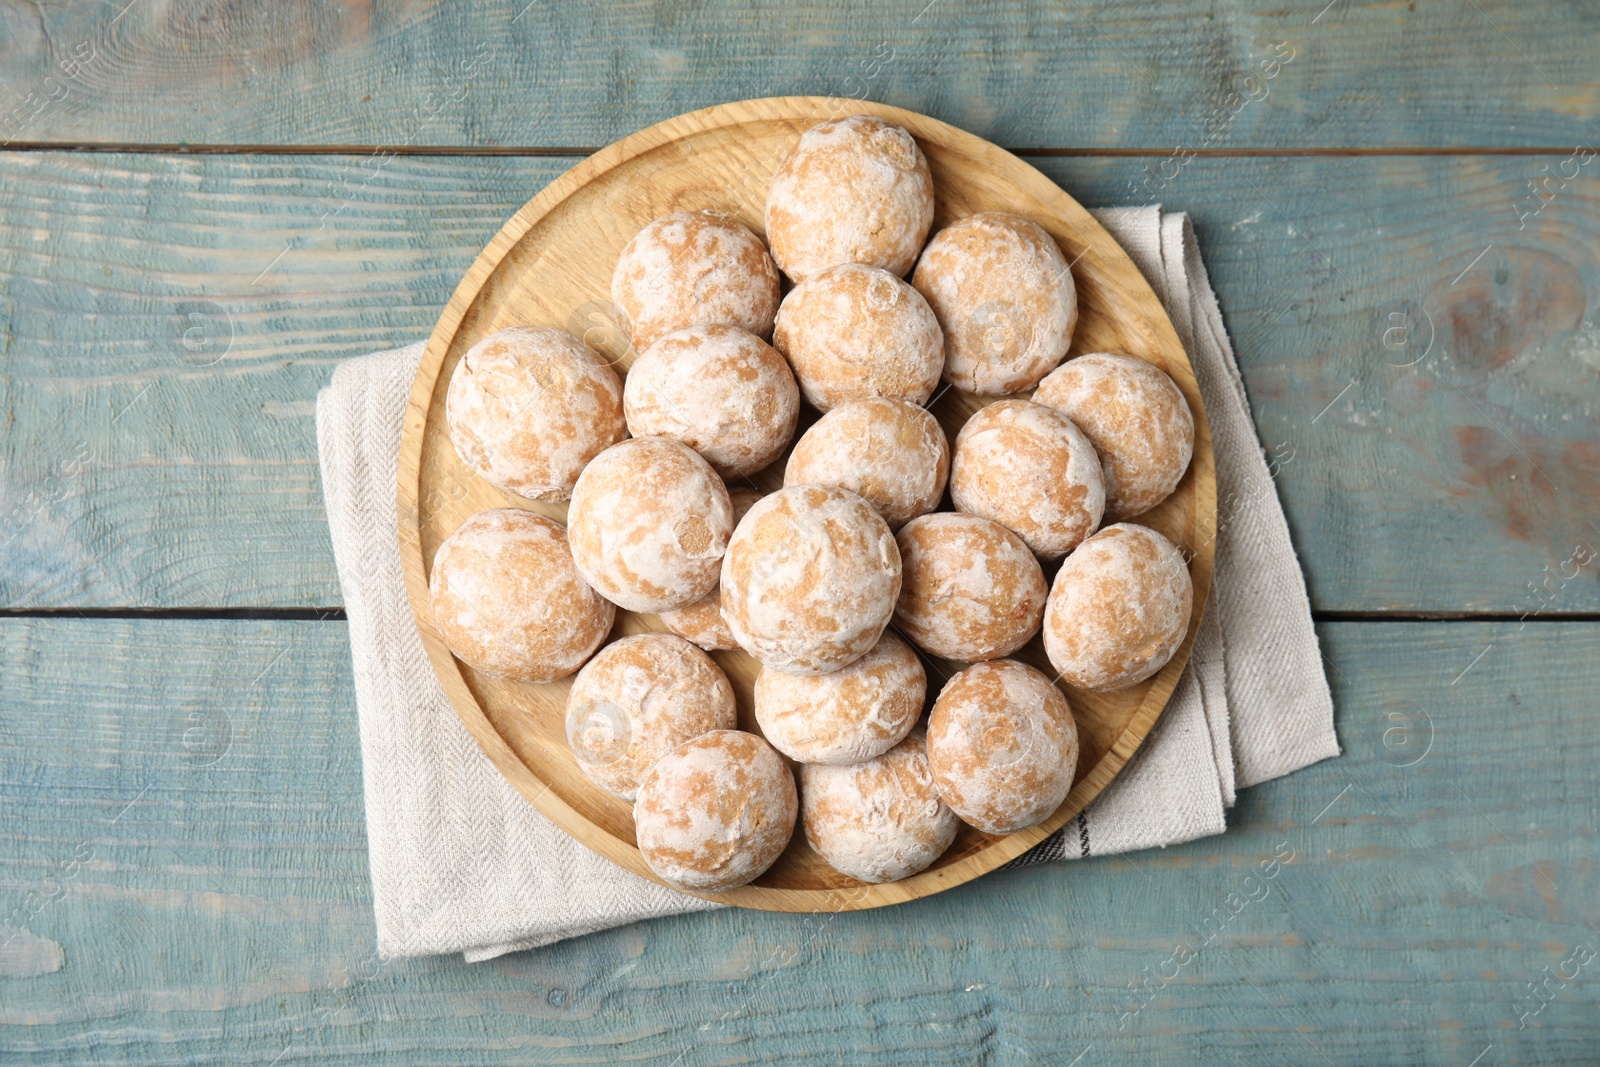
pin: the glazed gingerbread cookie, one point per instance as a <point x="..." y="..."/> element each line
<point x="636" y="700"/>
<point x="715" y="812"/>
<point x="692" y="268"/>
<point x="878" y="821"/>
<point x="1005" y="299"/>
<point x="854" y="190"/>
<point x="509" y="601"/>
<point x="1119" y="608"/>
<point x="1030" y="469"/>
<point x="852" y="332"/>
<point x="854" y="713"/>
<point x="1002" y="746"/>
<point x="969" y="589"/>
<point x="529" y="407"/>
<point x="721" y="390"/>
<point x="648" y="523"/>
<point x="810" y="579"/>
<point x="891" y="453"/>
<point x="1137" y="420"/>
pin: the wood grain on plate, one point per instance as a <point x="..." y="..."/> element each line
<point x="551" y="265"/>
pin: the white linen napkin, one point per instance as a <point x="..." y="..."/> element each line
<point x="462" y="863"/>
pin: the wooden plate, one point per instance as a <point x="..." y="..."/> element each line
<point x="551" y="265"/>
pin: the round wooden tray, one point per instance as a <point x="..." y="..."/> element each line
<point x="551" y="265"/>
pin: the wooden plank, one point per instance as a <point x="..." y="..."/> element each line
<point x="169" y="321"/>
<point x="181" y="846"/>
<point x="114" y="324"/>
<point x="1134" y="73"/>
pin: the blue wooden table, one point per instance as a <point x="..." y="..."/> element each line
<point x="205" y="206"/>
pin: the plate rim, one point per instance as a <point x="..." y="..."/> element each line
<point x="804" y="110"/>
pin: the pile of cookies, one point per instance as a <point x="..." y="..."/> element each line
<point x="835" y="581"/>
